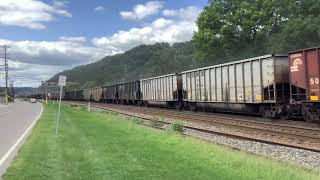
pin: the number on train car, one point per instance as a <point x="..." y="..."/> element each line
<point x="314" y="80"/>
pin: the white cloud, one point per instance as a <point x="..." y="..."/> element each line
<point x="61" y="52"/>
<point x="59" y="4"/>
<point x="30" y="13"/>
<point x="40" y="60"/>
<point x="177" y="29"/>
<point x="24" y="74"/>
<point x="190" y="12"/>
<point x="142" y="11"/>
<point x="99" y="9"/>
<point x="78" y="39"/>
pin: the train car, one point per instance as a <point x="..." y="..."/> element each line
<point x="305" y="84"/>
<point x="74" y="95"/>
<point x="87" y="94"/>
<point x="68" y="95"/>
<point x="96" y="94"/>
<point x="129" y="92"/>
<point x="110" y="94"/>
<point x="78" y="95"/>
<point x="163" y="90"/>
<point x="258" y="85"/>
<point x="56" y="95"/>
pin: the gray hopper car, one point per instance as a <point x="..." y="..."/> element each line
<point x="87" y="94"/>
<point x="110" y="94"/>
<point x="258" y="85"/>
<point x="129" y="92"/>
<point x="96" y="94"/>
<point x="162" y="90"/>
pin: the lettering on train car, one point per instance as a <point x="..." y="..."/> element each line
<point x="196" y="74"/>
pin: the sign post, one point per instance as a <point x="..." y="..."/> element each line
<point x="61" y="83"/>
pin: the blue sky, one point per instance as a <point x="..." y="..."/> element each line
<point x="49" y="36"/>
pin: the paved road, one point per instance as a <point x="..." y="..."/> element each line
<point x="15" y="119"/>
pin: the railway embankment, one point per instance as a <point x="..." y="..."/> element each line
<point x="99" y="145"/>
<point x="274" y="145"/>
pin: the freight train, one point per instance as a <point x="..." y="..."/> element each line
<point x="273" y="85"/>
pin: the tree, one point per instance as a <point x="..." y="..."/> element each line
<point x="239" y="28"/>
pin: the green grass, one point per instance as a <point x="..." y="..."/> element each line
<point x="100" y="146"/>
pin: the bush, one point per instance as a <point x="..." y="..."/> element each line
<point x="136" y="120"/>
<point x="113" y="113"/>
<point x="177" y="126"/>
<point x="156" y="122"/>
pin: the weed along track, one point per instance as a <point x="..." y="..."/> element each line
<point x="307" y="138"/>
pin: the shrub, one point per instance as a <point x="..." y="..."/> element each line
<point x="136" y="120"/>
<point x="177" y="126"/>
<point x="156" y="121"/>
<point x="113" y="113"/>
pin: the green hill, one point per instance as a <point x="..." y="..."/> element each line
<point x="140" y="62"/>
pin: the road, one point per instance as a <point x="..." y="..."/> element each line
<point x="16" y="119"/>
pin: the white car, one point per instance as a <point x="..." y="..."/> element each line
<point x="33" y="100"/>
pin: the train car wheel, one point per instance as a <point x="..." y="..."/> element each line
<point x="307" y="114"/>
<point x="193" y="107"/>
<point x="178" y="106"/>
<point x="146" y="104"/>
<point x="307" y="118"/>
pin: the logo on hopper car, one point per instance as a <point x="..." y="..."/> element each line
<point x="295" y="65"/>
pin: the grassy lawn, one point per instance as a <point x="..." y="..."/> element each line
<point x="100" y="146"/>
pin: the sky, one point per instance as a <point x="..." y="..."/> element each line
<point x="48" y="36"/>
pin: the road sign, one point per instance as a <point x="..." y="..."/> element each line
<point x="61" y="83"/>
<point x="62" y="80"/>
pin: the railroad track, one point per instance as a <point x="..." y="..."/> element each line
<point x="273" y="133"/>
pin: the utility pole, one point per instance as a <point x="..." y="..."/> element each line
<point x="6" y="69"/>
<point x="46" y="90"/>
<point x="12" y="90"/>
<point x="6" y="72"/>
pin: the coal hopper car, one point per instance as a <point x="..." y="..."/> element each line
<point x="74" y="95"/>
<point x="163" y="90"/>
<point x="96" y="94"/>
<point x="305" y="84"/>
<point x="110" y="94"/>
<point x="258" y="85"/>
<point x="87" y="94"/>
<point x="129" y="92"/>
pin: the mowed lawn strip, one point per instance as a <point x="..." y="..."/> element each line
<point x="102" y="146"/>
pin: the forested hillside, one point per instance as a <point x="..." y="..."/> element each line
<point x="227" y="30"/>
<point x="140" y="62"/>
